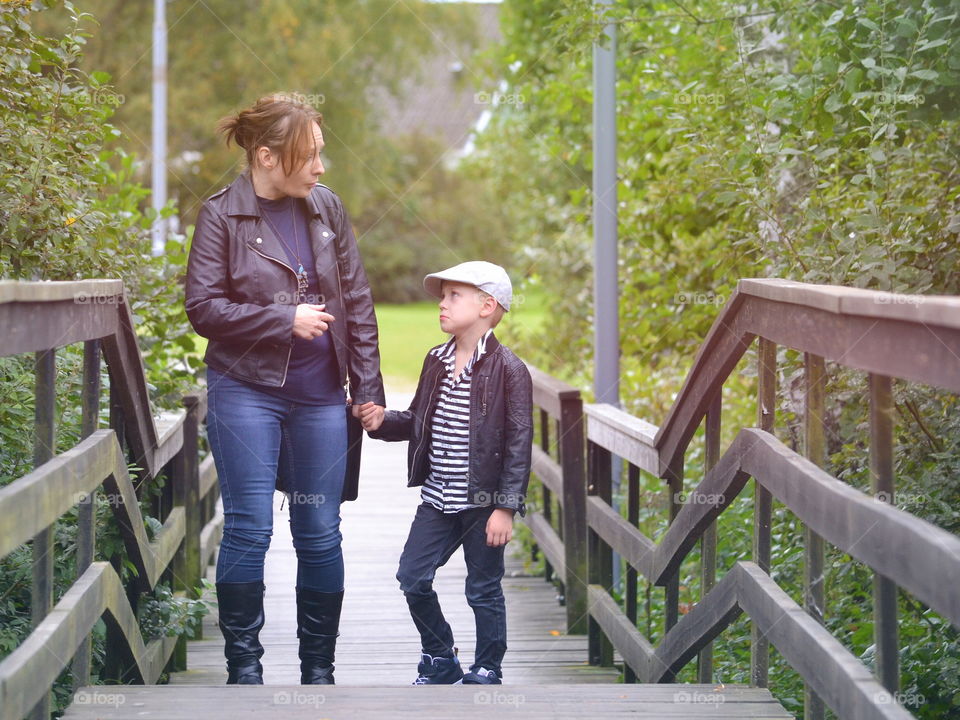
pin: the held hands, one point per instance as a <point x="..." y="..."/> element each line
<point x="370" y="415"/>
<point x="311" y="321"/>
<point x="499" y="527"/>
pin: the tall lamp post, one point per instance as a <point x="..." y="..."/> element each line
<point x="159" y="144"/>
<point x="606" y="379"/>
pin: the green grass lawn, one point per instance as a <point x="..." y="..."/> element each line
<point x="408" y="331"/>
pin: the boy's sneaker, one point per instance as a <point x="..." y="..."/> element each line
<point x="438" y="670"/>
<point x="481" y="676"/>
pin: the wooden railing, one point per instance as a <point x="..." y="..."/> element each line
<point x="915" y="338"/>
<point x="39" y="317"/>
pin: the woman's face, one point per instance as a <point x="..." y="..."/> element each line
<point x="307" y="169"/>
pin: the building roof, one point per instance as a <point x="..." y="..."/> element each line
<point x="446" y="98"/>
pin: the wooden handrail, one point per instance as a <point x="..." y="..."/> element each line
<point x="862" y="329"/>
<point x="562" y="477"/>
<point x="40" y="317"/>
<point x="838" y="676"/>
<point x="39" y="498"/>
<point x="28" y="671"/>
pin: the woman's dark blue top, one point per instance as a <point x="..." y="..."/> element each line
<point x="312" y="375"/>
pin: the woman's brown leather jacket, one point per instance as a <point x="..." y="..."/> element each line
<point x="241" y="290"/>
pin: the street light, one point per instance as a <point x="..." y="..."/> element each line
<point x="159" y="142"/>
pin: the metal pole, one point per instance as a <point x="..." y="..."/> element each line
<point x="605" y="301"/>
<point x="159" y="168"/>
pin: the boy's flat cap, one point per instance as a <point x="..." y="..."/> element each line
<point x="486" y="276"/>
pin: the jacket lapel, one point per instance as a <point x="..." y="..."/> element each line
<point x="321" y="234"/>
<point x="263" y="240"/>
<point x="242" y="201"/>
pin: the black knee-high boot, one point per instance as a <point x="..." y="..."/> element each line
<point x="241" y="618"/>
<point x="318" y="623"/>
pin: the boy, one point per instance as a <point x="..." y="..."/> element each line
<point x="470" y="429"/>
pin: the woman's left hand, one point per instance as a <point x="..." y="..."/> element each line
<point x="370" y="415"/>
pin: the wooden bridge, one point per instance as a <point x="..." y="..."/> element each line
<point x="563" y="661"/>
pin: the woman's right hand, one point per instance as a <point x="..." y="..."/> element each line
<point x="311" y="321"/>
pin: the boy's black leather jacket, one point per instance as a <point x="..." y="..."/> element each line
<point x="501" y="427"/>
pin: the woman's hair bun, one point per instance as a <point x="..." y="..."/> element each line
<point x="282" y="122"/>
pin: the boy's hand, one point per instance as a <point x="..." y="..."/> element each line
<point x="371" y="415"/>
<point x="499" y="527"/>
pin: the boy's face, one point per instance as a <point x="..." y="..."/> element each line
<point x="463" y="306"/>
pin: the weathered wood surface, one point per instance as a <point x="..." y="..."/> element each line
<point x="863" y="329"/>
<point x="530" y="702"/>
<point x="378" y="643"/>
<point x="29" y="670"/>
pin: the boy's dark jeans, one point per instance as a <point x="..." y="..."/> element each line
<point x="434" y="536"/>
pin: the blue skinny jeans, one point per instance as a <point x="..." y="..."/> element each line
<point x="254" y="436"/>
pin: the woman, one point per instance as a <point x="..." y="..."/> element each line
<point x="275" y="282"/>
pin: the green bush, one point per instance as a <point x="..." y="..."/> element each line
<point x="809" y="141"/>
<point x="71" y="209"/>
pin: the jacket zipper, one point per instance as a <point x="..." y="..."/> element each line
<point x="483" y="412"/>
<point x="286" y="365"/>
<point x="423" y="424"/>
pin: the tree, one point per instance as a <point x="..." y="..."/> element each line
<point x="811" y="141"/>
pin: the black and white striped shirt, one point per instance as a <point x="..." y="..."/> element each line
<point x="446" y="486"/>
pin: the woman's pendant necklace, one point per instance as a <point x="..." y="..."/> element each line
<point x="302" y="283"/>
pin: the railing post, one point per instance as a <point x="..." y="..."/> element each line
<point x="115" y="646"/>
<point x="630" y="586"/>
<point x="882" y="484"/>
<point x="44" y="435"/>
<point x="708" y="543"/>
<point x="86" y="523"/>
<point x="815" y="451"/>
<point x="186" y="494"/>
<point x="671" y="591"/>
<point x="600" y="568"/>
<point x="574" y="512"/>
<point x="545" y="491"/>
<point x="763" y="501"/>
<point x="674" y="479"/>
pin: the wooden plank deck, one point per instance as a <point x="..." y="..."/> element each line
<point x="466" y="702"/>
<point x="378" y="643"/>
<point x="544" y="670"/>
